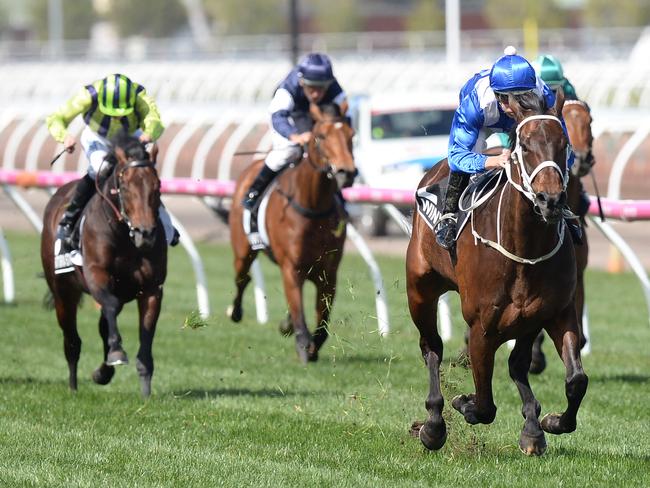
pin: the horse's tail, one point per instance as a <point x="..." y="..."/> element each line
<point x="216" y="205"/>
<point x="48" y="300"/>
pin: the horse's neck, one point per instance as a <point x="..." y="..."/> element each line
<point x="313" y="188"/>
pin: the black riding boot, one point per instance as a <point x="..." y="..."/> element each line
<point x="84" y="190"/>
<point x="446" y="227"/>
<point x="262" y="180"/>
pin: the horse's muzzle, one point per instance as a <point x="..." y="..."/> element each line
<point x="143" y="238"/>
<point x="550" y="205"/>
<point x="345" y="178"/>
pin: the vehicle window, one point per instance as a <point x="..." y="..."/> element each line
<point x="412" y="123"/>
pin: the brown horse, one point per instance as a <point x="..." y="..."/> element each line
<point x="124" y="258"/>
<point x="504" y="294"/>
<point x="305" y="221"/>
<point x="577" y="118"/>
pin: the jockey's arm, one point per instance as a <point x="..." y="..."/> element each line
<point x="57" y="123"/>
<point x="150" y="122"/>
<point x="468" y="121"/>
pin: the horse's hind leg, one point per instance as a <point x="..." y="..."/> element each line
<point x="149" y="310"/>
<point x="531" y="441"/>
<point x="242" y="278"/>
<point x="538" y="360"/>
<point x="566" y="337"/>
<point x="479" y="407"/>
<point x="66" y="314"/>
<point x="423" y="305"/>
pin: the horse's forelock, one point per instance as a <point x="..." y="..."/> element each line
<point x="331" y="110"/>
<point x="132" y="147"/>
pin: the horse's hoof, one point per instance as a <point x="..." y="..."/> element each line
<point x="103" y="375"/>
<point x="552" y="423"/>
<point x="117" y="358"/>
<point x="433" y="436"/>
<point x="537" y="365"/>
<point x="235" y="314"/>
<point x="532" y="445"/>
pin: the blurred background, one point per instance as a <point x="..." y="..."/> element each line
<point x="213" y="65"/>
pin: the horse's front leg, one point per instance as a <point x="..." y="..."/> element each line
<point x="531" y="441"/>
<point x="325" y="292"/>
<point x="479" y="408"/>
<point x="111" y="307"/>
<point x="293" y="284"/>
<point x="149" y="310"/>
<point x="566" y="337"/>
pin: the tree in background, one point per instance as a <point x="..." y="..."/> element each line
<point x="621" y="13"/>
<point x="78" y="18"/>
<point x="162" y="18"/>
<point x="426" y="16"/>
<point x="336" y="15"/>
<point x="249" y="16"/>
<point x="511" y="14"/>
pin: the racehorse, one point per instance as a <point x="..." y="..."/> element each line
<point x="509" y="289"/>
<point x="124" y="258"/>
<point x="305" y="222"/>
<point x="577" y="118"/>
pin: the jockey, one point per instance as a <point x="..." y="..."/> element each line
<point x="312" y="81"/>
<point x="484" y="109"/>
<point x="109" y="105"/>
<point x="550" y="70"/>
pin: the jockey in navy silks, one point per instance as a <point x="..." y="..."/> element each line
<point x="312" y="81"/>
<point x="483" y="110"/>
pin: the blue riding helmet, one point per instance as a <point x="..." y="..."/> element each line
<point x="512" y="73"/>
<point x="315" y="69"/>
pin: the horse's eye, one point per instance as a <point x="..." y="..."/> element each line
<point x="524" y="148"/>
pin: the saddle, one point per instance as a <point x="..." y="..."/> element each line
<point x="65" y="263"/>
<point x="430" y="200"/>
<point x="253" y="220"/>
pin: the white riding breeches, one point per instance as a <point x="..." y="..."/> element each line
<point x="282" y="153"/>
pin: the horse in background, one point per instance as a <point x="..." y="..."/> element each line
<point x="124" y="258"/>
<point x="305" y="222"/>
<point x="510" y="289"/>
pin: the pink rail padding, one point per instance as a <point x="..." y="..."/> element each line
<point x="616" y="209"/>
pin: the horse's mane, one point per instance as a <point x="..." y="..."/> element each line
<point x="330" y="109"/>
<point x="132" y="147"/>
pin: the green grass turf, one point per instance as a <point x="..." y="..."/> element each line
<point x="232" y="406"/>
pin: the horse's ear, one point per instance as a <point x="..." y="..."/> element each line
<point x="315" y="112"/>
<point x="559" y="102"/>
<point x="154" y="153"/>
<point x="120" y="155"/>
<point x="343" y="106"/>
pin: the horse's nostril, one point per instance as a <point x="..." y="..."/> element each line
<point x="542" y="196"/>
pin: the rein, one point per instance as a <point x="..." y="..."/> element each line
<point x="527" y="190"/>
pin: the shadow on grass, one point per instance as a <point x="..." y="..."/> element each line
<point x="621" y="378"/>
<point x="11" y="380"/>
<point x="238" y="392"/>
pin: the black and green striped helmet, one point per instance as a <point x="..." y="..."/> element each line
<point x="116" y="95"/>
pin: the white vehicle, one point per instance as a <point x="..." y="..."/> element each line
<point x="398" y="138"/>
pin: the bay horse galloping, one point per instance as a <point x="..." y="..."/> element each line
<point x="516" y="274"/>
<point x="124" y="258"/>
<point x="577" y="118"/>
<point x="305" y="222"/>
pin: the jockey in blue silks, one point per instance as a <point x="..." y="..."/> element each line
<point x="312" y="81"/>
<point x="483" y="110"/>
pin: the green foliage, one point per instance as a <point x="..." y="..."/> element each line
<point x="78" y="18"/>
<point x="232" y="406"/>
<point x="162" y="18"/>
<point x="604" y="13"/>
<point x="511" y="14"/>
<point x="426" y="16"/>
<point x="336" y="15"/>
<point x="251" y="17"/>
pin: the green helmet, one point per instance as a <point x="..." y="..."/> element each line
<point x="116" y="95"/>
<point x="550" y="70"/>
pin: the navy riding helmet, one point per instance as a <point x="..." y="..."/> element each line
<point x="512" y="73"/>
<point x="315" y="69"/>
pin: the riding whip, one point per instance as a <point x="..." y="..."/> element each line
<point x="600" y="205"/>
<point x="56" y="158"/>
